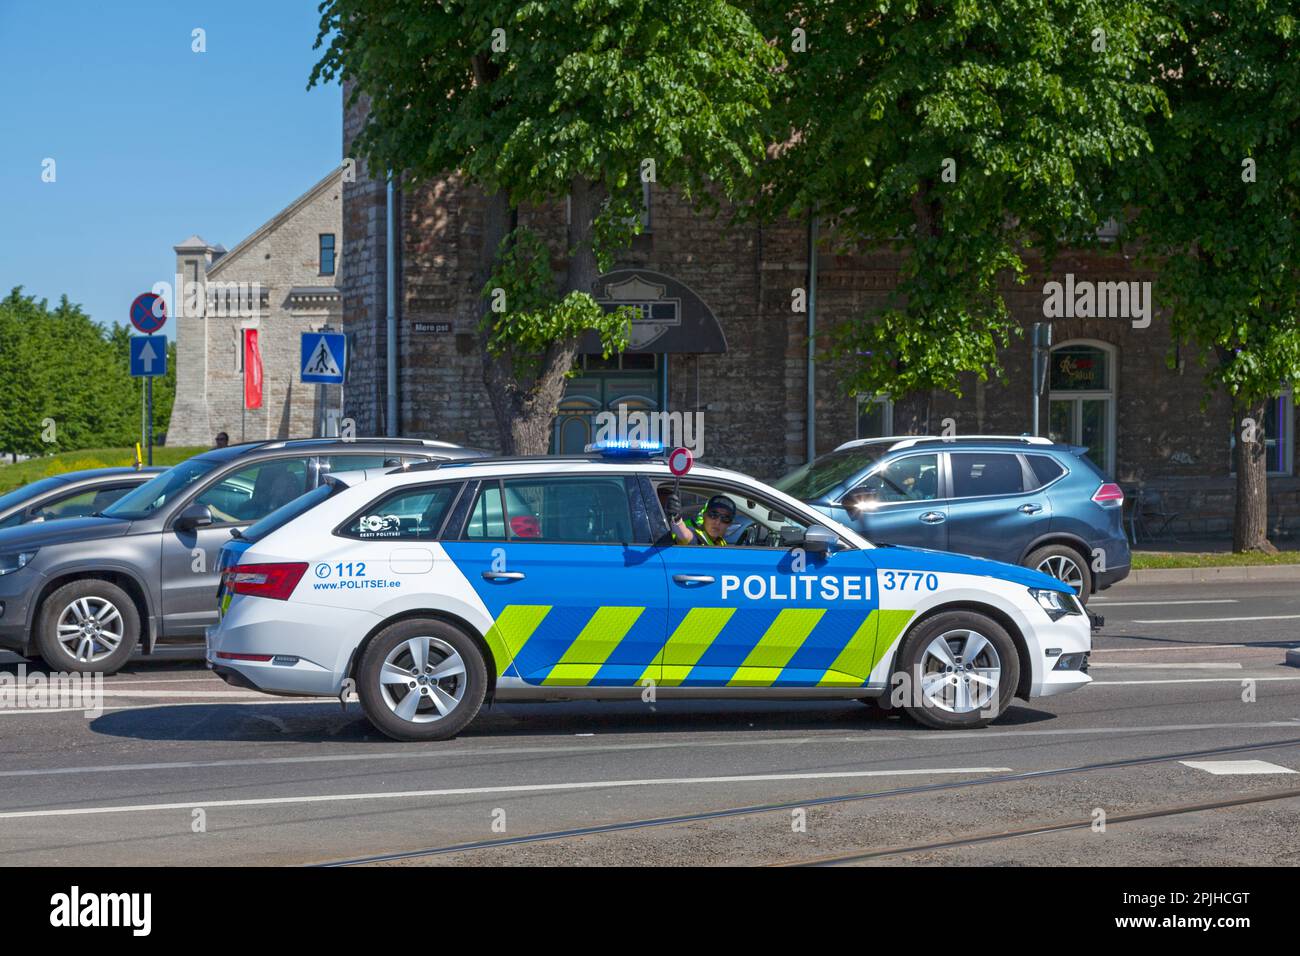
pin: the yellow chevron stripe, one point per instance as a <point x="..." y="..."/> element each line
<point x="511" y="630"/>
<point x="687" y="644"/>
<point x="593" y="645"/>
<point x="784" y="636"/>
<point x="852" y="665"/>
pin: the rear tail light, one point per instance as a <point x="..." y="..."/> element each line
<point x="1108" y="494"/>
<point x="266" y="580"/>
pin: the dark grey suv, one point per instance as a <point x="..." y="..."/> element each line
<point x="83" y="592"/>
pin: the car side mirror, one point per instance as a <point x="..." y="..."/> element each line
<point x="193" y="517"/>
<point x="818" y="540"/>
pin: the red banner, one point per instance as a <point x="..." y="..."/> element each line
<point x="252" y="370"/>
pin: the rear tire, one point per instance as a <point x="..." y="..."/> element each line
<point x="1065" y="564"/>
<point x="421" y="679"/>
<point x="962" y="671"/>
<point x="89" y="625"/>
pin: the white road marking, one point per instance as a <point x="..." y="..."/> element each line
<point x="1160" y="603"/>
<point x="471" y="791"/>
<point x="1222" y="620"/>
<point x="1177" y="647"/>
<point x="1229" y="767"/>
<point x="1153" y="665"/>
<point x="1184" y="680"/>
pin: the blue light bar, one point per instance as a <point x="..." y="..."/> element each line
<point x="626" y="448"/>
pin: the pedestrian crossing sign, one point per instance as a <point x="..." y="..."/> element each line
<point x="324" y="357"/>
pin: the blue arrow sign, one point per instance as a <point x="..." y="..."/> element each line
<point x="324" y="357"/>
<point x="148" y="355"/>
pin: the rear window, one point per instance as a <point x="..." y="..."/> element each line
<point x="1046" y="469"/>
<point x="411" y="514"/>
<point x="977" y="474"/>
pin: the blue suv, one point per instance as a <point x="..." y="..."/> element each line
<point x="1022" y="500"/>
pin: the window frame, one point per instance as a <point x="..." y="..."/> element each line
<point x="333" y="251"/>
<point x="1287" y="437"/>
<point x="1109" y="395"/>
<point x="945" y="483"/>
<point x="1027" y="477"/>
<point x="640" y="528"/>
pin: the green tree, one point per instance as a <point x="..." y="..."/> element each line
<point x="1217" y="202"/>
<point x="971" y="137"/>
<point x="538" y="101"/>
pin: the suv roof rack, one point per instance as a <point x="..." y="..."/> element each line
<point x="1013" y="439"/>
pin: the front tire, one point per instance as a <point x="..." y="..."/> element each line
<point x="89" y="625"/>
<point x="422" y="679"/>
<point x="962" y="671"/>
<point x="1065" y="564"/>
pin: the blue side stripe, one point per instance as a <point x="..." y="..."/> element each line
<point x="824" y="644"/>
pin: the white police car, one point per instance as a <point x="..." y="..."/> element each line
<point x="430" y="589"/>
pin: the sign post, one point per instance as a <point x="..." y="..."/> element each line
<point x="148" y="353"/>
<point x="325" y="362"/>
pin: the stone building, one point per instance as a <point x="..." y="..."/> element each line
<point x="281" y="281"/>
<point x="719" y="337"/>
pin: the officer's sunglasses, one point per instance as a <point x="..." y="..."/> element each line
<point x="720" y="516"/>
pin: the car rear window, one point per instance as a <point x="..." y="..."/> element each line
<point x="976" y="474"/>
<point x="1046" y="469"/>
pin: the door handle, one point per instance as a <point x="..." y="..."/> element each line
<point x="504" y="575"/>
<point x="692" y="579"/>
<point x="1030" y="509"/>
<point x="933" y="517"/>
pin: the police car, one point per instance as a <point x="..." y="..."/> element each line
<point x="430" y="589"/>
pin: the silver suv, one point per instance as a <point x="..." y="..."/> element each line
<point x="83" y="592"/>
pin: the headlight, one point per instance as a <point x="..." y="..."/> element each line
<point x="1057" y="604"/>
<point x="9" y="563"/>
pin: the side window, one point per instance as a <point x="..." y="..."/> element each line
<point x="1046" y="469"/>
<point x="72" y="506"/>
<point x="330" y="464"/>
<point x="757" y="523"/>
<point x="978" y="474"/>
<point x="913" y="478"/>
<point x="252" y="493"/>
<point x="589" y="509"/>
<point x="487" y="517"/>
<point x="412" y="514"/>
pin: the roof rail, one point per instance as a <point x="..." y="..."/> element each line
<point x="1021" y="439"/>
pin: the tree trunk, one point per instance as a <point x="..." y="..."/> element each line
<point x="1250" y="521"/>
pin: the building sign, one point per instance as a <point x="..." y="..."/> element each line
<point x="1078" y="369"/>
<point x="670" y="317"/>
<point x="437" y="328"/>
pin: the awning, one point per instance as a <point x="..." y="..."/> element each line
<point x="672" y="318"/>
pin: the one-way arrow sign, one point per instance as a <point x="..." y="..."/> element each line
<point x="324" y="357"/>
<point x="148" y="356"/>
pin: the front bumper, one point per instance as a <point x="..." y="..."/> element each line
<point x="1070" y="636"/>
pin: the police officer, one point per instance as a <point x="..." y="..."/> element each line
<point x="709" y="527"/>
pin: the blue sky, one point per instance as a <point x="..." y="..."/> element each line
<point x="152" y="141"/>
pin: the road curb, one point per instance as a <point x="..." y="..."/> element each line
<point x="1261" y="572"/>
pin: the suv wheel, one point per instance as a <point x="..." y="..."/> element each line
<point x="88" y="625"/>
<point x="1065" y="564"/>
<point x="421" y="679"/>
<point x="962" y="670"/>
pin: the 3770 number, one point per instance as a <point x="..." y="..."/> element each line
<point x="908" y="581"/>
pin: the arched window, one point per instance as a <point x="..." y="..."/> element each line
<point x="1081" y="403"/>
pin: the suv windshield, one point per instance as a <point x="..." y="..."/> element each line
<point x="813" y="480"/>
<point x="156" y="492"/>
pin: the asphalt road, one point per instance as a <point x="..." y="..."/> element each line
<point x="1190" y="690"/>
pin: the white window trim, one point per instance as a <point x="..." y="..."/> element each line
<point x="887" y="418"/>
<point x="1287" y="437"/>
<point x="1112" y="394"/>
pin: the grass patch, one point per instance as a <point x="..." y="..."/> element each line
<point x="1222" y="559"/>
<point x="25" y="472"/>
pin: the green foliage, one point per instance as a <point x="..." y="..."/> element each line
<point x="25" y="472"/>
<point x="535" y="315"/>
<point x="1015" y="98"/>
<point x="57" y="364"/>
<point x="1231" y="250"/>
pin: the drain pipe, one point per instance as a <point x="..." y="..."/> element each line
<point x="811" y="426"/>
<point x="390" y="269"/>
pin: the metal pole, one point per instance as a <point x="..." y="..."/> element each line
<point x="148" y="392"/>
<point x="812" y="337"/>
<point x="391" y="297"/>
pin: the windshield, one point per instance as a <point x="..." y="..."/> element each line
<point x="820" y="476"/>
<point x="281" y="516"/>
<point x="28" y="491"/>
<point x="157" y="492"/>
